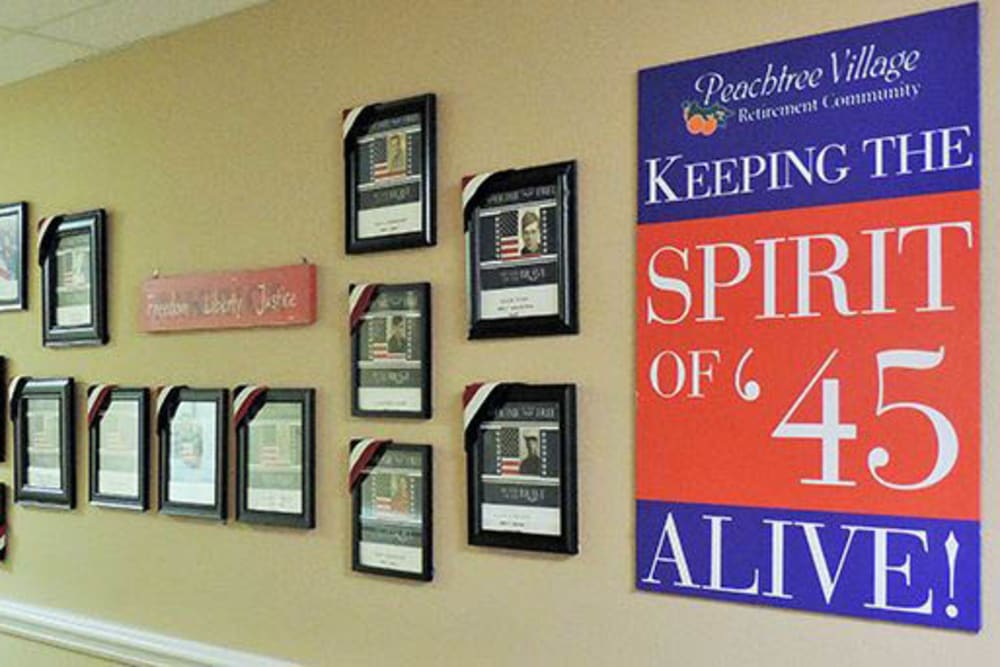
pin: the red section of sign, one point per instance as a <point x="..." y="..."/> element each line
<point x="888" y="299"/>
<point x="282" y="296"/>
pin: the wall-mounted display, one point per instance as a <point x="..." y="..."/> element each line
<point x="808" y="363"/>
<point x="13" y="256"/>
<point x="43" y="413"/>
<point x="389" y="171"/>
<point x="520" y="442"/>
<point x="277" y="297"/>
<point x="390" y="350"/>
<point x="118" y="422"/>
<point x="391" y="488"/>
<point x="192" y="426"/>
<point x="275" y="455"/>
<point x="72" y="253"/>
<point x="520" y="228"/>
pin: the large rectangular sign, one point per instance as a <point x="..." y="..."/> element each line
<point x="808" y="363"/>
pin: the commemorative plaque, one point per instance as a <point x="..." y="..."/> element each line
<point x="390" y="350"/>
<point x="13" y="252"/>
<point x="521" y="466"/>
<point x="118" y="421"/>
<point x="520" y="230"/>
<point x="44" y="437"/>
<point x="391" y="493"/>
<point x="389" y="165"/>
<point x="72" y="253"/>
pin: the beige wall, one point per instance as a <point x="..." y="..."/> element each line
<point x="219" y="148"/>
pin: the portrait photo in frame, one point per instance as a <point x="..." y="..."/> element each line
<point x="13" y="256"/>
<point x="43" y="413"/>
<point x="521" y="245"/>
<point x="118" y="424"/>
<point x="390" y="175"/>
<point x="520" y="442"/>
<point x="192" y="426"/>
<point x="391" y="488"/>
<point x="275" y="455"/>
<point x="72" y="252"/>
<point x="390" y="350"/>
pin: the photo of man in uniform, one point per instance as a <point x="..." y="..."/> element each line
<point x="396" y="153"/>
<point x="396" y="340"/>
<point x="531" y="464"/>
<point x="531" y="233"/>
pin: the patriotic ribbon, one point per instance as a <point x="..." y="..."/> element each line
<point x="474" y="397"/>
<point x="98" y="396"/>
<point x="471" y="185"/>
<point x="14" y="392"/>
<point x="45" y="228"/>
<point x="360" y="298"/>
<point x="351" y="117"/>
<point x="163" y="396"/>
<point x="361" y="455"/>
<point x="246" y="396"/>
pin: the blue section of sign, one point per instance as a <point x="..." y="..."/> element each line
<point x="879" y="111"/>
<point x="911" y="570"/>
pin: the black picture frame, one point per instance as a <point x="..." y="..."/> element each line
<point x="281" y="460"/>
<point x="384" y="366"/>
<point x="191" y="432"/>
<point x="3" y="522"/>
<point x="395" y="525"/>
<point x="103" y="404"/>
<point x="521" y="251"/>
<point x="3" y="408"/>
<point x="531" y="521"/>
<point x="398" y="176"/>
<point x="13" y="256"/>
<point x="28" y="417"/>
<point x="87" y="325"/>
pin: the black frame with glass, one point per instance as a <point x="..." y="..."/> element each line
<point x="564" y="395"/>
<point x="218" y="399"/>
<point x="370" y="125"/>
<point x="93" y="329"/>
<point x="426" y="572"/>
<point x="122" y="396"/>
<point x="14" y="251"/>
<point x="3" y="408"/>
<point x="59" y="390"/>
<point x="306" y="517"/>
<point x="394" y="371"/>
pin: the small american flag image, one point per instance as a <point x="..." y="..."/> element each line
<point x="381" y="351"/>
<point x="389" y="161"/>
<point x="508" y="452"/>
<point x="382" y="493"/>
<point x="507" y="239"/>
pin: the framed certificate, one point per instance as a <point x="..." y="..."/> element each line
<point x="391" y="489"/>
<point x="389" y="170"/>
<point x="275" y="455"/>
<point x="13" y="256"/>
<point x="192" y="425"/>
<point x="44" y="441"/>
<point x="520" y="228"/>
<point x="390" y="350"/>
<point x="520" y="442"/>
<point x="72" y="252"/>
<point x="118" y="422"/>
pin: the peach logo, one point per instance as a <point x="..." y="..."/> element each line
<point x="704" y="120"/>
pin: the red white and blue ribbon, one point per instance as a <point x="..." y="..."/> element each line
<point x="474" y="397"/>
<point x="14" y="388"/>
<point x="45" y="228"/>
<point x="245" y="399"/>
<point x="163" y="396"/>
<point x="351" y="117"/>
<point x="361" y="455"/>
<point x="358" y="301"/>
<point x="98" y="396"/>
<point x="471" y="187"/>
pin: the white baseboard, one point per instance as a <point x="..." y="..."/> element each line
<point x="119" y="642"/>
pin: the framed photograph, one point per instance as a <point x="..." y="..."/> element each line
<point x="192" y="426"/>
<point x="72" y="252"/>
<point x="118" y="422"/>
<point x="389" y="174"/>
<point x="520" y="443"/>
<point x="275" y="455"/>
<point x="44" y="442"/>
<point x="13" y="256"/>
<point x="390" y="350"/>
<point x="520" y="228"/>
<point x="391" y="488"/>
